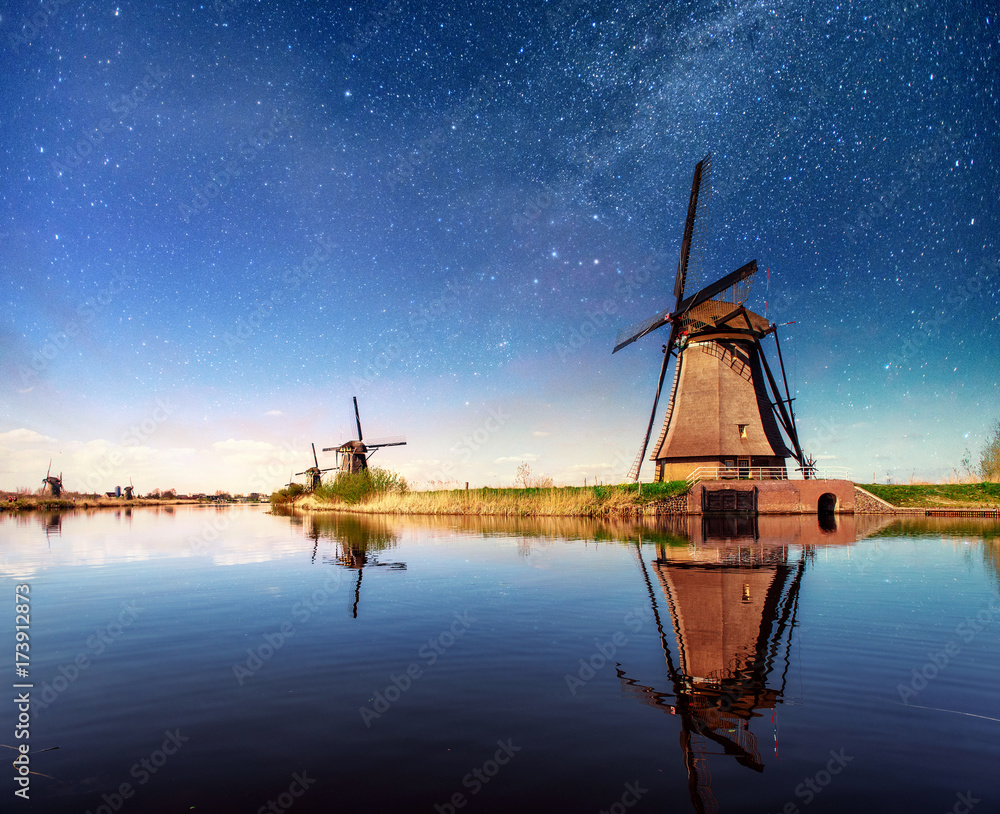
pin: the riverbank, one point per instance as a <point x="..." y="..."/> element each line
<point x="622" y="500"/>
<point x="11" y="502"/>
<point x="937" y="495"/>
<point x="561" y="501"/>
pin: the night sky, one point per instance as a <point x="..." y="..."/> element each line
<point x="221" y="221"/>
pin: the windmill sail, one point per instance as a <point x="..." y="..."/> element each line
<point x="718" y="415"/>
<point x="353" y="453"/>
<point x="693" y="244"/>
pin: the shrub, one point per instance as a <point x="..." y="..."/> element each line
<point x="290" y="492"/>
<point x="348" y="487"/>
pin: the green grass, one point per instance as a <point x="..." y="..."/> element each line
<point x="936" y="495"/>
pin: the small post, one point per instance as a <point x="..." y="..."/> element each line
<point x="466" y="486"/>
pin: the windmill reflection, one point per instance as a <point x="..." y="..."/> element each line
<point x="731" y="600"/>
<point x="360" y="540"/>
<point x="52" y="523"/>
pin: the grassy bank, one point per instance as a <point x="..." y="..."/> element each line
<point x="26" y="503"/>
<point x="937" y="495"/>
<point x="564" y="501"/>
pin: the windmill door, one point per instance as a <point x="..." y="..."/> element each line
<point x="743" y="464"/>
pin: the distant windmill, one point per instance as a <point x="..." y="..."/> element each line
<point x="314" y="475"/>
<point x="54" y="484"/>
<point x="353" y="455"/>
<point x="129" y="489"/>
<point x="720" y="413"/>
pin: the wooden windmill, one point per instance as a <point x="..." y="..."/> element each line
<point x="725" y="407"/>
<point x="353" y="455"/>
<point x="52" y="483"/>
<point x="314" y="475"/>
<point x="128" y="490"/>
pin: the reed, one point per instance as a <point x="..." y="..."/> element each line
<point x="566" y="501"/>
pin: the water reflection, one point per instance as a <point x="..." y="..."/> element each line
<point x="360" y="539"/>
<point x="52" y="523"/>
<point x="725" y="602"/>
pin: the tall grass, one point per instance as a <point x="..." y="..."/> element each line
<point x="569" y="501"/>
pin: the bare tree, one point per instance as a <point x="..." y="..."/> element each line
<point x="523" y="477"/>
<point x="989" y="461"/>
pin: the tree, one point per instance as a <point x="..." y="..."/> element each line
<point x="526" y="478"/>
<point x="523" y="476"/>
<point x="989" y="461"/>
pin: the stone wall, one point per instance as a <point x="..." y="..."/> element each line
<point x="866" y="503"/>
<point x="678" y="504"/>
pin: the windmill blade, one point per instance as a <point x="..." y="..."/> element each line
<point x="315" y="459"/>
<point x="394" y="441"/>
<point x="50" y="470"/>
<point x="357" y="417"/>
<point x="692" y="253"/>
<point x="340" y="446"/>
<point x="695" y="228"/>
<point x="626" y="336"/>
<point x="722" y="287"/>
<point x="634" y="471"/>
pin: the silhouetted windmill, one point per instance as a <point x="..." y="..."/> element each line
<point x="53" y="484"/>
<point x="720" y="413"/>
<point x="352" y="456"/>
<point x="314" y="475"/>
<point x="129" y="489"/>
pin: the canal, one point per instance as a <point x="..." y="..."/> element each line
<point x="222" y="659"/>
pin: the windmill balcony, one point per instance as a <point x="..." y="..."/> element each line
<point x="765" y="473"/>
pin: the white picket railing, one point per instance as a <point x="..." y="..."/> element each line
<point x="766" y="473"/>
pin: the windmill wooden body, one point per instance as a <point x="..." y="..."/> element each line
<point x="353" y="455"/>
<point x="314" y="475"/>
<point x="725" y="411"/>
<point x="52" y="483"/>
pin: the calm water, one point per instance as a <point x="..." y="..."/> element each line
<point x="225" y="659"/>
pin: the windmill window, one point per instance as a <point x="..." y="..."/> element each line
<point x="743" y="430"/>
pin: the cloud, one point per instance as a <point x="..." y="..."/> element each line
<point x="232" y="446"/>
<point x="274" y="412"/>
<point x="526" y="457"/>
<point x="581" y="468"/>
<point x="24" y="436"/>
<point x="541" y="434"/>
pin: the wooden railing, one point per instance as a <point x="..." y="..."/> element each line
<point x="766" y="473"/>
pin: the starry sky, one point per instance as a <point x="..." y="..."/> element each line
<point x="221" y="221"/>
